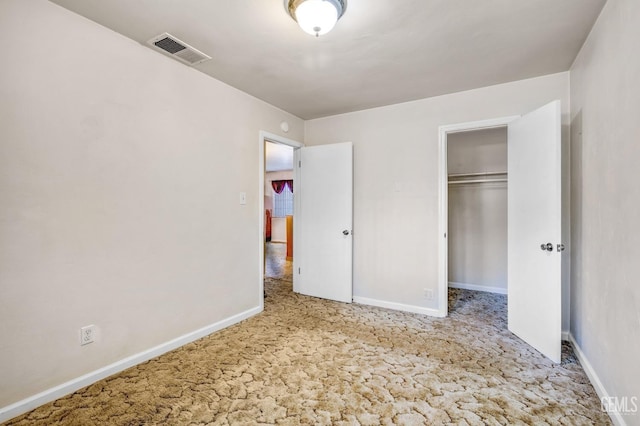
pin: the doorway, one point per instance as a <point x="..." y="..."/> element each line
<point x="280" y="164"/>
<point x="477" y="210"/>
<point x="489" y="126"/>
<point x="534" y="233"/>
<point x="322" y="217"/>
<point x="278" y="207"/>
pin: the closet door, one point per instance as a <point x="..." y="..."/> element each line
<point x="534" y="229"/>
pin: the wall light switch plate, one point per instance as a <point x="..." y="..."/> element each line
<point x="243" y="198"/>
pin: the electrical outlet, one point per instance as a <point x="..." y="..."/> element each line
<point x="87" y="334"/>
<point x="428" y="294"/>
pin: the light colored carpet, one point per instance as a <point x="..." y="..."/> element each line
<point x="312" y="361"/>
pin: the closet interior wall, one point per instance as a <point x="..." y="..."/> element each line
<point x="477" y="165"/>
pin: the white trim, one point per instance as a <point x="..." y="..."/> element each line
<point x="443" y="224"/>
<point x="565" y="336"/>
<point x="28" y="404"/>
<point x="616" y="418"/>
<point x="297" y="208"/>
<point x="272" y="137"/>
<point x="397" y="306"/>
<point x="263" y="137"/>
<point x="476" y="287"/>
<point x="443" y="200"/>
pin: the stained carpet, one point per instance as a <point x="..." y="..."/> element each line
<point x="312" y="361"/>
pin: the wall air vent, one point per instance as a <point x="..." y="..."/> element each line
<point x="169" y="45"/>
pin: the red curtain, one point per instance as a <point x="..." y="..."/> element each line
<point x="278" y="185"/>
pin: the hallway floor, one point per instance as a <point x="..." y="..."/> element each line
<point x="277" y="266"/>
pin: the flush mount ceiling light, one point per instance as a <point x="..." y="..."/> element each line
<point x="316" y="17"/>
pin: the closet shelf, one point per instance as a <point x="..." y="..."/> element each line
<point x="460" y="182"/>
<point x="464" y="175"/>
<point x="483" y="177"/>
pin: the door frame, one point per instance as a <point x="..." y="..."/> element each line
<point x="443" y="199"/>
<point x="263" y="138"/>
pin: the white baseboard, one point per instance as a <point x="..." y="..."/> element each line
<point x="616" y="417"/>
<point x="398" y="306"/>
<point x="565" y="336"/>
<point x="71" y="386"/>
<point x="476" y="287"/>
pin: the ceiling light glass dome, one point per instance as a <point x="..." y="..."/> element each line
<point x="316" y="17"/>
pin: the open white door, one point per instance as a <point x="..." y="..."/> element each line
<point x="534" y="212"/>
<point x="322" y="248"/>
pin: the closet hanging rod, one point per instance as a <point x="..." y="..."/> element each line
<point x="462" y="175"/>
<point x="460" y="182"/>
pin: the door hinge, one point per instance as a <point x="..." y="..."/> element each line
<point x="298" y="271"/>
<point x="299" y="163"/>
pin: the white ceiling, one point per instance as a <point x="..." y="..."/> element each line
<point x="381" y="52"/>
<point x="278" y="157"/>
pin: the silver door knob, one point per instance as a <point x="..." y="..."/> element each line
<point x="345" y="232"/>
<point x="546" y="247"/>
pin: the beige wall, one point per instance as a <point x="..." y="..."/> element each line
<point x="477" y="219"/>
<point x="605" y="135"/>
<point x="477" y="151"/>
<point x="120" y="173"/>
<point x="396" y="212"/>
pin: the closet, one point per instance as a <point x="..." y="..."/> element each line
<point x="477" y="221"/>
